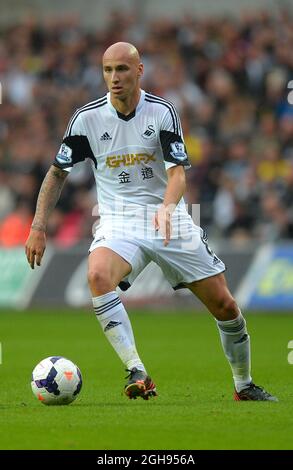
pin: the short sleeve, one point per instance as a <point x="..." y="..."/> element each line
<point x="75" y="146"/>
<point x="171" y="138"/>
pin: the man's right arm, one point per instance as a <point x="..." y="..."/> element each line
<point x="48" y="197"/>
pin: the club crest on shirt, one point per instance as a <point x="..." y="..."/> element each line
<point x="178" y="151"/>
<point x="149" y="132"/>
<point x="64" y="154"/>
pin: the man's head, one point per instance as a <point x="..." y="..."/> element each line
<point x="122" y="69"/>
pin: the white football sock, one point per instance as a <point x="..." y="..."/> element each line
<point x="236" y="345"/>
<point x="114" y="320"/>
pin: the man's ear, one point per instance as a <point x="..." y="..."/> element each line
<point x="140" y="70"/>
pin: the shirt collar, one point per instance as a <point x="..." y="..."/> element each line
<point x="134" y="112"/>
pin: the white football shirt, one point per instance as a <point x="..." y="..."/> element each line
<point x="130" y="156"/>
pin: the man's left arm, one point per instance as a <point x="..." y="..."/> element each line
<point x="174" y="191"/>
<point x="176" y="160"/>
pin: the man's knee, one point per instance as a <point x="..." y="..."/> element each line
<point x="227" y="309"/>
<point x="100" y="281"/>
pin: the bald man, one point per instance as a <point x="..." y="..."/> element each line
<point x="135" y="144"/>
<point x="124" y="87"/>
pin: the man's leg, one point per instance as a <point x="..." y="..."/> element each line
<point x="215" y="295"/>
<point x="106" y="269"/>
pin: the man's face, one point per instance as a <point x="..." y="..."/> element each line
<point x="121" y="76"/>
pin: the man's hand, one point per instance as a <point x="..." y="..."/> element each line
<point x="162" y="222"/>
<point x="35" y="247"/>
<point x="173" y="194"/>
<point x="47" y="199"/>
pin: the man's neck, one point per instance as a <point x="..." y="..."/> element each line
<point x="127" y="105"/>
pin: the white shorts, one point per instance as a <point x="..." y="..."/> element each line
<point x="182" y="260"/>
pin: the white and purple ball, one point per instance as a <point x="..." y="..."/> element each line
<point x="56" y="381"/>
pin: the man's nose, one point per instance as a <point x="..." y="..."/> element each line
<point x="115" y="78"/>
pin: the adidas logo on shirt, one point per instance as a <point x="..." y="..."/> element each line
<point x="105" y="136"/>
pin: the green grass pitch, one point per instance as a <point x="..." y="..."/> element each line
<point x="182" y="351"/>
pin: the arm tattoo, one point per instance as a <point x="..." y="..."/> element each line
<point x="48" y="197"/>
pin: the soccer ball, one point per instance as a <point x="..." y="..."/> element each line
<point x="56" y="381"/>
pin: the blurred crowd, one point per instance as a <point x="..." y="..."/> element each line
<point x="229" y="79"/>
